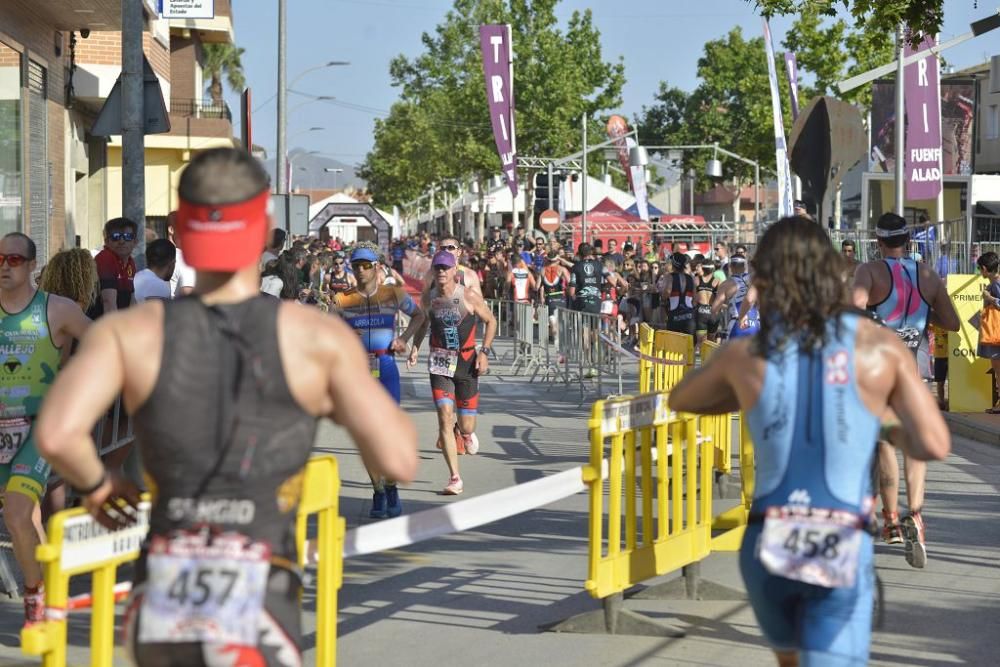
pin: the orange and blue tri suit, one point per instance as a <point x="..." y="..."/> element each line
<point x="373" y="316"/>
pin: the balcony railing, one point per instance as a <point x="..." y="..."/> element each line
<point x="200" y="109"/>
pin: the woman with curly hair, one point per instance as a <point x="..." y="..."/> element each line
<point x="72" y="274"/>
<point x="814" y="384"/>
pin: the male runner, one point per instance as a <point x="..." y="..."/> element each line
<point x="34" y="328"/>
<point x="586" y="279"/>
<point x="813" y="386"/>
<point x="732" y="293"/>
<point x="707" y="284"/>
<point x="339" y="279"/>
<point x="225" y="428"/>
<point x="554" y="279"/>
<point x="371" y="310"/>
<point x="463" y="275"/>
<point x="906" y="295"/>
<point x="454" y="363"/>
<point x="522" y="281"/>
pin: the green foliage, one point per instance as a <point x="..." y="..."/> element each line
<point x="874" y="16"/>
<point x="559" y="73"/>
<point x="223" y="60"/>
<point x="731" y="106"/>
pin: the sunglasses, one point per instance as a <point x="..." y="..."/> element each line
<point x="122" y="236"/>
<point x="13" y="261"/>
<point x="442" y="267"/>
<point x="361" y="265"/>
<point x="451" y="247"/>
<point x="341" y="263"/>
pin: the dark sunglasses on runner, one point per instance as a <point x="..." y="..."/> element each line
<point x="361" y="265"/>
<point x="442" y="267"/>
<point x="13" y="260"/>
<point x="451" y="247"/>
<point x="338" y="262"/>
<point x="122" y="236"/>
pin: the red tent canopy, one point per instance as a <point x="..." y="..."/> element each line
<point x="606" y="211"/>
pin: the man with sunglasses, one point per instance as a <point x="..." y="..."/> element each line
<point x="115" y="266"/>
<point x="454" y="363"/>
<point x="34" y="329"/>
<point x="371" y="309"/>
<point x="463" y="275"/>
<point x="340" y="280"/>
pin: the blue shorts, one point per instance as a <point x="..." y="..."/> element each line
<point x="388" y="375"/>
<point x="830" y="627"/>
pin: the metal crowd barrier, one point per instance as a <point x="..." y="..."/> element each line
<point x="582" y="354"/>
<point x="503" y="311"/>
<point x="79" y="545"/>
<point x="108" y="433"/>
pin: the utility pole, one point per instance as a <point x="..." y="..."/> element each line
<point x="281" y="166"/>
<point x="583" y="179"/>
<point x="133" y="127"/>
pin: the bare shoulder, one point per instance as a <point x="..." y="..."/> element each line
<point x="138" y="323"/>
<point x="60" y="306"/>
<point x="877" y="340"/>
<point x="310" y="328"/>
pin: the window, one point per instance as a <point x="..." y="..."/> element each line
<point x="11" y="178"/>
<point x="993" y="121"/>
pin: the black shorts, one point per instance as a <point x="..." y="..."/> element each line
<point x="940" y="369"/>
<point x="591" y="307"/>
<point x="553" y="303"/>
<point x="703" y="320"/>
<point x="279" y="636"/>
<point x="681" y="322"/>
<point x="461" y="390"/>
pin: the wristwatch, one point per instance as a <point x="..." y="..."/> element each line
<point x="486" y="350"/>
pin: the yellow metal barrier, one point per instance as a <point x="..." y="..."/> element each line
<point x="658" y="457"/>
<point x="645" y="365"/>
<point x="671" y="346"/>
<point x="718" y="428"/>
<point x="77" y="545"/>
<point x="734" y="521"/>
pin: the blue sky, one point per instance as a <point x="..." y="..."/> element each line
<point x="658" y="39"/>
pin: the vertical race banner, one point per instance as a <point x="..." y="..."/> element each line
<point x="780" y="147"/>
<point x="792" y="70"/>
<point x="617" y="128"/>
<point x="495" y="43"/>
<point x="923" y="123"/>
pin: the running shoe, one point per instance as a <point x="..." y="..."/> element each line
<point x="471" y="444"/>
<point x="34" y="606"/>
<point x="378" y="510"/>
<point x="454" y="486"/>
<point x="913" y="532"/>
<point x="892" y="533"/>
<point x="393" y="505"/>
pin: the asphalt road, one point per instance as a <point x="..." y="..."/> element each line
<point x="480" y="597"/>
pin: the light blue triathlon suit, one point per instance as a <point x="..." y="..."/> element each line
<point x="814" y="441"/>
<point x="906" y="311"/>
<point x="742" y="281"/>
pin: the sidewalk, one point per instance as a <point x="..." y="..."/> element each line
<point x="977" y="426"/>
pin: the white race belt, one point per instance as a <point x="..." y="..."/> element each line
<point x="817" y="547"/>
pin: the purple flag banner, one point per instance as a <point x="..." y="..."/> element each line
<point x="923" y="124"/>
<point x="792" y="69"/>
<point x="495" y="43"/>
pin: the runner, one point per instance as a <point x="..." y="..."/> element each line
<point x="340" y="280"/>
<point x="227" y="474"/>
<point x="906" y="295"/>
<point x="706" y="324"/>
<point x="454" y="363"/>
<point x="680" y="298"/>
<point x="555" y="279"/>
<point x="731" y="293"/>
<point x="813" y="386"/>
<point x="522" y="281"/>
<point x="463" y="275"/>
<point x="371" y="310"/>
<point x="35" y="329"/>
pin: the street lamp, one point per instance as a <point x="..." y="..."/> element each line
<point x="334" y="171"/>
<point x="283" y="94"/>
<point x="321" y="98"/>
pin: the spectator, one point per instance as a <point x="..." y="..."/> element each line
<point x="72" y="274"/>
<point x="182" y="280"/>
<point x="613" y="253"/>
<point x="989" y="321"/>
<point x="153" y="282"/>
<point x="275" y="244"/>
<point x="945" y="263"/>
<point x="281" y="277"/>
<point x="115" y="267"/>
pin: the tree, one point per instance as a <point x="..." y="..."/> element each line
<point x="731" y="106"/>
<point x="558" y="75"/>
<point x="879" y="16"/>
<point x="223" y="60"/>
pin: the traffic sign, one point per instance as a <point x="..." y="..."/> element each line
<point x="548" y="220"/>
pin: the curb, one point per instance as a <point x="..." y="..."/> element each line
<point x="971" y="430"/>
